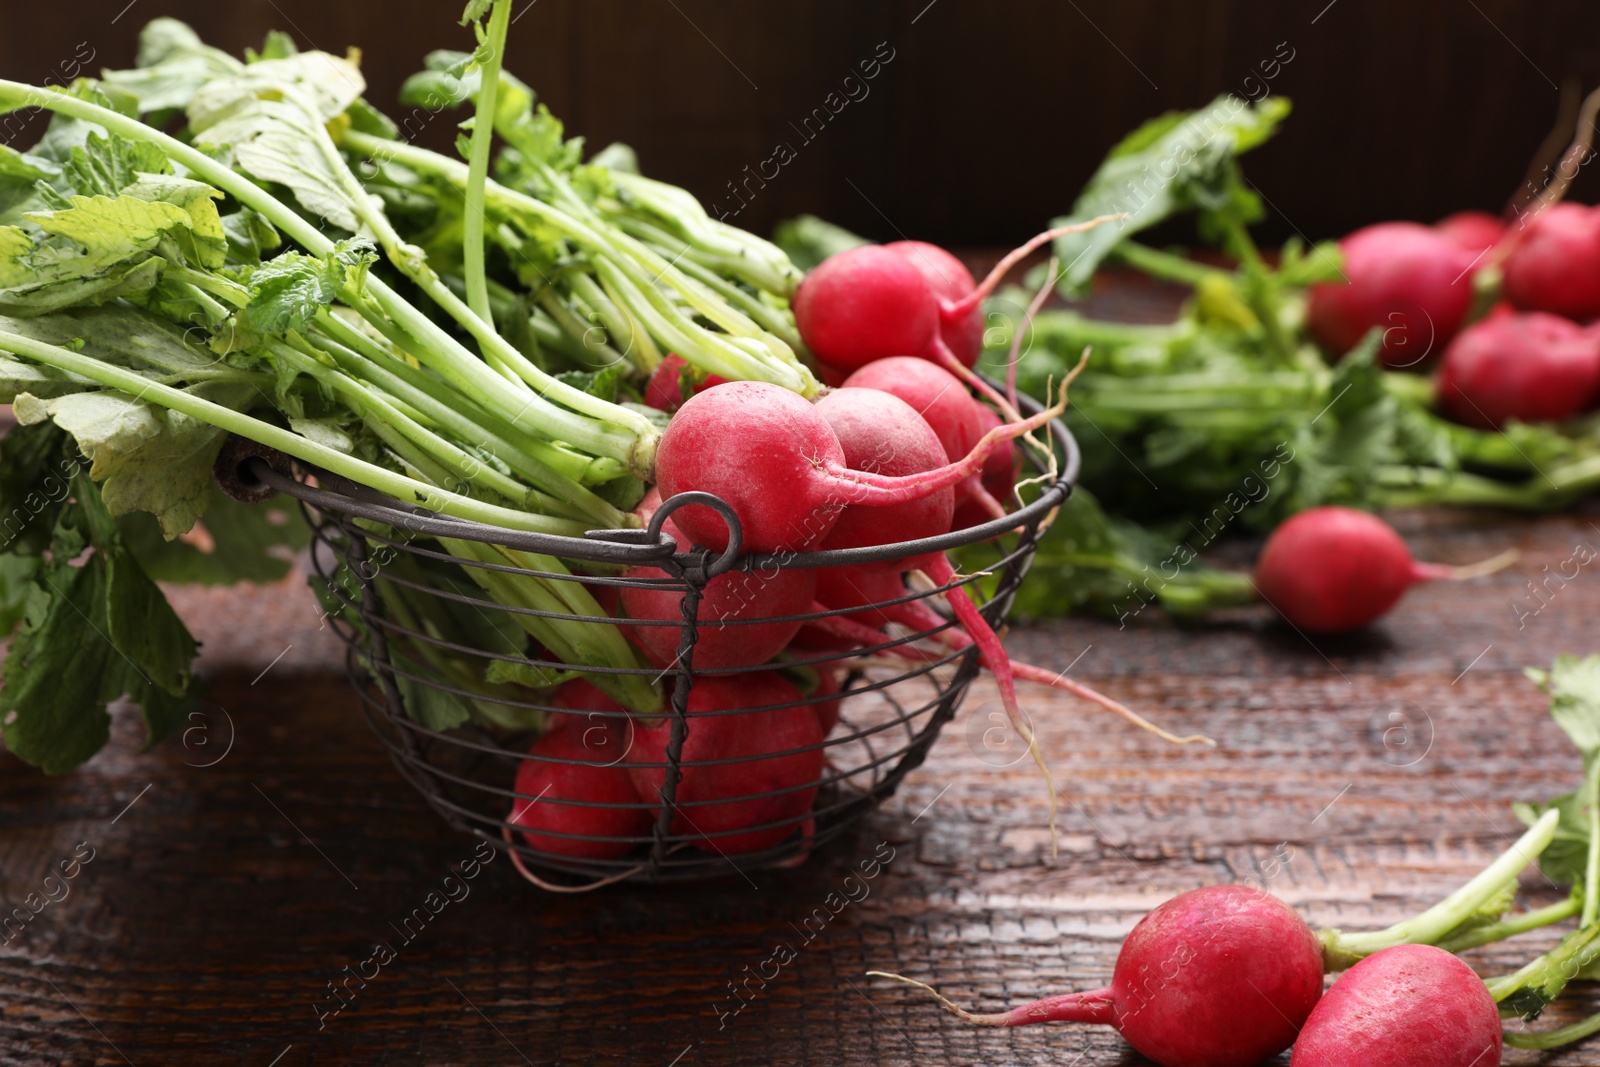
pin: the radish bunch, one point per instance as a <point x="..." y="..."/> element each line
<point x="892" y="454"/>
<point x="1535" y="358"/>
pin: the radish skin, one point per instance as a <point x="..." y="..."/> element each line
<point x="1402" y="1007"/>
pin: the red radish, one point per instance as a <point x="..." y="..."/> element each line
<point x="1555" y="264"/>
<point x="1333" y="569"/>
<point x="999" y="480"/>
<point x="950" y="281"/>
<point x="935" y="394"/>
<point x="664" y="391"/>
<point x="772" y="457"/>
<point x="1401" y="1007"/>
<point x="1405" y="279"/>
<point x="881" y="433"/>
<point x="728" y="602"/>
<point x="1531" y="367"/>
<point x="1476" y="231"/>
<point x="863" y="304"/>
<point x="869" y="303"/>
<point x="571" y="789"/>
<point x="729" y="763"/>
<point x="726" y="634"/>
<point x="1216" y="977"/>
<point x="940" y="398"/>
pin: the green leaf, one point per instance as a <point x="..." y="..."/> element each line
<point x="1574" y="688"/>
<point x="86" y="240"/>
<point x="94" y="630"/>
<point x="1173" y="163"/>
<point x="20" y="175"/>
<point x="123" y="335"/>
<point x="476" y="10"/>
<point x="52" y="707"/>
<point x="278" y="45"/>
<point x="205" y="244"/>
<point x="144" y="628"/>
<point x="287" y="292"/>
<point x="429" y="705"/>
<point x="526" y="674"/>
<point x="604" y="383"/>
<point x="37" y="466"/>
<point x="16" y="579"/>
<point x="105" y="166"/>
<point x="1565" y="862"/>
<point x="250" y="236"/>
<point x="173" y="63"/>
<point x="107" y="426"/>
<point x="246" y="543"/>
<point x="272" y="115"/>
<point x="150" y="458"/>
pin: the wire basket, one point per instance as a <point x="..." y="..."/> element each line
<point x="368" y="550"/>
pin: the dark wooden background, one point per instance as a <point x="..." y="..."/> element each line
<point x="991" y="114"/>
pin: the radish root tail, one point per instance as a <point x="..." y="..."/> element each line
<point x="944" y="1002"/>
<point x="1432" y="572"/>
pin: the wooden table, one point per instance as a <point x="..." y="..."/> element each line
<point x="222" y="899"/>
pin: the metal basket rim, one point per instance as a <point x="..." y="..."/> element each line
<point x="631" y="547"/>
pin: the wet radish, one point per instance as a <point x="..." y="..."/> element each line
<point x="728" y="633"/>
<point x="1475" y="231"/>
<point x="665" y="389"/>
<point x="951" y="282"/>
<point x="881" y="433"/>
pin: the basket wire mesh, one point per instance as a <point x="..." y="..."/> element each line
<point x="371" y="552"/>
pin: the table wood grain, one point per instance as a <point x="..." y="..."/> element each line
<point x="238" y="870"/>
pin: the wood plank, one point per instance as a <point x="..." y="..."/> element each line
<point x="207" y="925"/>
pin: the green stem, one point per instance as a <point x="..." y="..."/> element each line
<point x="567" y="464"/>
<point x="377" y="411"/>
<point x="1591" y="878"/>
<point x="475" y="428"/>
<point x="1163" y="265"/>
<point x="1555" y="1038"/>
<point x="1530" y="989"/>
<point x="1499" y="931"/>
<point x="437" y="347"/>
<point x="1341" y="950"/>
<point x="405" y="489"/>
<point x="572" y="641"/>
<point x="771" y="360"/>
<point x="491" y="56"/>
